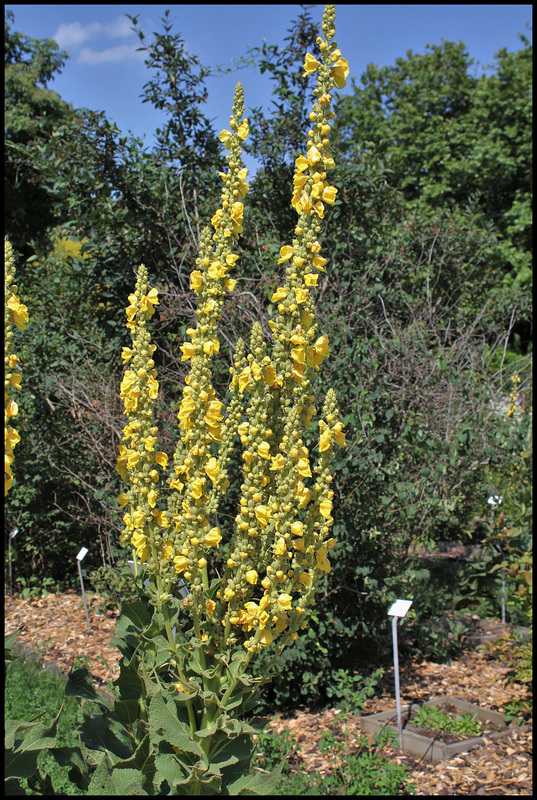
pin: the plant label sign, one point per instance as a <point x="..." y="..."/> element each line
<point x="83" y="552"/>
<point x="399" y="608"/>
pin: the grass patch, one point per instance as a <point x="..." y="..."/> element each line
<point x="33" y="693"/>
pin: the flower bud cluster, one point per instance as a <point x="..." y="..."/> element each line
<point x="199" y="466"/>
<point x="281" y="542"/>
<point x="14" y="312"/>
<point x="145" y="525"/>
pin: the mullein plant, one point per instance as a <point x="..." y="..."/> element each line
<point x="202" y="620"/>
<point x="14" y="313"/>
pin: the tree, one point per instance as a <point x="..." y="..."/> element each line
<point x="454" y="140"/>
<point x="32" y="113"/>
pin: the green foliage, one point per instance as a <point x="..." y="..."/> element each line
<point x="34" y="695"/>
<point x="113" y="584"/>
<point x="435" y="718"/>
<point x="274" y="749"/>
<point x="363" y="771"/>
<point x="517" y="653"/>
<point x="147" y="730"/>
<point x="351" y="691"/>
<point x="444" y="133"/>
<point x="32" y="113"/>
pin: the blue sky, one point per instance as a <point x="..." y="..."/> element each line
<point x="106" y="73"/>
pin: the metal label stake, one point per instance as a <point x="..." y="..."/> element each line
<point x="495" y="500"/>
<point x="398" y="610"/>
<point x="12" y="535"/>
<point x="83" y="552"/>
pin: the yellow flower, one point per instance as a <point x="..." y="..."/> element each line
<point x="285" y="253"/>
<point x="325" y="508"/>
<point x="164" y="522"/>
<point x="324" y="439"/>
<point x="262" y="514"/>
<point x="279" y="294"/>
<point x="340" y="72"/>
<point x="225" y="137"/>
<point x="297" y="528"/>
<point x="311" y="279"/>
<point x="188" y="350"/>
<point x="269" y="373"/>
<point x="298" y="354"/>
<point x="301" y="164"/>
<point x="322" y="562"/>
<point x="245" y="379"/>
<point x="161" y="459"/>
<point x="213" y="538"/>
<point x="264" y="450"/>
<point x="212" y="469"/>
<point x="280" y="547"/>
<point x="339" y="436"/>
<point x="278" y="462"/>
<point x="211" y="346"/>
<point x="19" y="311"/>
<point x="196" y="280"/>
<point x="310" y="65"/>
<point x="181" y="563"/>
<point x="313" y="156"/>
<point x="303" y="467"/>
<point x="166" y="550"/>
<point x="285" y="601"/>
<point x="265" y="637"/>
<point x="318" y="262"/>
<point x="321" y="347"/>
<point x="329" y="195"/>
<point x="242" y="131"/>
<point x="252" y="576"/>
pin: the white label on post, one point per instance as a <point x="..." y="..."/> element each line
<point x="82" y="553"/>
<point x="399" y="608"/>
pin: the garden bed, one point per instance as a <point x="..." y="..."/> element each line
<point x="433" y="744"/>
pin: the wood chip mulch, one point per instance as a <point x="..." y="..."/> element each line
<point x="56" y="627"/>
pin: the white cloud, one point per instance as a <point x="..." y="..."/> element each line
<point x="112" y="55"/>
<point x="70" y="34"/>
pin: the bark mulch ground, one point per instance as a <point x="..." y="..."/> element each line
<point x="56" y="628"/>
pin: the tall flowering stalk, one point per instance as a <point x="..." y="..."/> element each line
<point x="14" y="313"/>
<point x="203" y="619"/>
